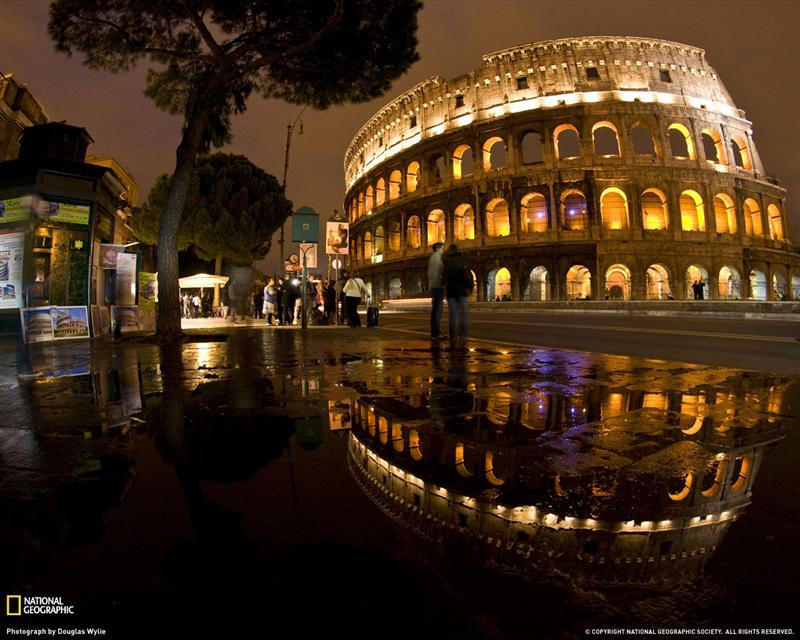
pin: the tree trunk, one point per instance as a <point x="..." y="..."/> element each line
<point x="168" y="322"/>
<point x="217" y="272"/>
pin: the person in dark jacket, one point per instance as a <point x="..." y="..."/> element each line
<point x="458" y="286"/>
<point x="258" y="302"/>
<point x="280" y="298"/>
<point x="329" y="302"/>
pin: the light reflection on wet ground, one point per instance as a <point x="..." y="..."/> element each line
<point x="336" y="475"/>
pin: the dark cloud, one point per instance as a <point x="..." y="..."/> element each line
<point x="753" y="46"/>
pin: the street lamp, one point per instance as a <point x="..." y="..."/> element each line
<point x="289" y="130"/>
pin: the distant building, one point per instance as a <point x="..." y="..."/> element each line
<point x="19" y="109"/>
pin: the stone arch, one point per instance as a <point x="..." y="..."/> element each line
<point x="413" y="233"/>
<point x="741" y="152"/>
<point x="618" y="282"/>
<point x="696" y="273"/>
<point x="497" y="218"/>
<point x="779" y="288"/>
<point x="361" y="201"/>
<point x="680" y="141"/>
<point x="752" y="218"/>
<point x="642" y="138"/>
<point x="532" y="148"/>
<point x="655" y="212"/>
<point x="498" y="284"/>
<point x="567" y="142"/>
<point x="533" y="213"/>
<point x="437" y="168"/>
<point x="367" y="244"/>
<point x="657" y="285"/>
<point x="380" y="192"/>
<point x="574" y="215"/>
<point x="724" y="213"/>
<point x="538" y="288"/>
<point x="729" y="284"/>
<point x="775" y="220"/>
<point x="412" y="177"/>
<point x="370" y="200"/>
<point x="758" y="285"/>
<point x="395" y="289"/>
<point x="795" y="283"/>
<point x="579" y="283"/>
<point x="605" y="138"/>
<point x="474" y="294"/>
<point x="614" y="208"/>
<point x="379" y="241"/>
<point x="692" y="211"/>
<point x="464" y="222"/>
<point x="395" y="235"/>
<point x="395" y="180"/>
<point x="498" y="407"/>
<point x="414" y="445"/>
<point x="713" y="147"/>
<point x="435" y="227"/>
<point x="495" y="154"/>
<point x="463" y="162"/>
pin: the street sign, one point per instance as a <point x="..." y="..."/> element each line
<point x="336" y="264"/>
<point x="311" y="254"/>
<point x="305" y="225"/>
<point x="294" y="258"/>
<point x="336" y="240"/>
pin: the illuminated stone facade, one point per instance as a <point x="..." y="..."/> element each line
<point x="593" y="167"/>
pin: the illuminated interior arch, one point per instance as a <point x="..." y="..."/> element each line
<point x="380" y="192"/>
<point x="567" y="142"/>
<point x="752" y="218"/>
<point x="618" y="282"/>
<point x="497" y="220"/>
<point x="436" y="227"/>
<point x="724" y="213"/>
<point x="495" y="155"/>
<point x="657" y="286"/>
<point x="533" y="217"/>
<point x="414" y="445"/>
<point x="464" y="222"/>
<point x="463" y="163"/>
<point x="379" y="241"/>
<point x="574" y="215"/>
<point x="370" y="202"/>
<point x="489" y="470"/>
<point x="383" y="430"/>
<point x="741" y="153"/>
<point x="696" y="273"/>
<point x="367" y="251"/>
<point x="412" y="176"/>
<point x="730" y="284"/>
<point x="579" y="283"/>
<point x="395" y="234"/>
<point x="655" y="212"/>
<point x="758" y="285"/>
<point x="413" y="233"/>
<point x="692" y="211"/>
<point x="361" y="201"/>
<point x="614" y="208"/>
<point x="713" y="147"/>
<point x="779" y="286"/>
<point x="775" y="222"/>
<point x="538" y="284"/>
<point x="680" y="141"/>
<point x="499" y="284"/>
<point x="395" y="180"/>
<point x="398" y="443"/>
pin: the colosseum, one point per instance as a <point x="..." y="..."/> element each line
<point x="584" y="168"/>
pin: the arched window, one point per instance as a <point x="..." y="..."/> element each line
<point x="394" y="235"/>
<point x="573" y="211"/>
<point x="361" y="204"/>
<point x="657" y="286"/>
<point x="730" y="284"/>
<point x="697" y="274"/>
<point x="494" y="154"/>
<point x="655" y="213"/>
<point x="614" y="209"/>
<point x="579" y="283"/>
<point x="532" y="151"/>
<point x="775" y="222"/>
<point x="724" y="214"/>
<point x="380" y="192"/>
<point x="498" y="285"/>
<point x="567" y="142"/>
<point x="412" y="177"/>
<point x="358" y="248"/>
<point x="398" y="442"/>
<point x="463" y="163"/>
<point x="713" y="148"/>
<point x="370" y="199"/>
<point x="779" y="286"/>
<point x="498" y="407"/>
<point x="438" y="169"/>
<point x="534" y="213"/>
<point x="395" y="179"/>
<point x="497" y="222"/>
<point x="353" y="209"/>
<point x="538" y="284"/>
<point x="741" y="154"/>
<point x="752" y="218"/>
<point x="379" y="248"/>
<point x="413" y="233"/>
<point x="618" y="283"/>
<point x="414" y="445"/>
<point x="692" y="213"/>
<point x="435" y="227"/>
<point x="606" y="142"/>
<point x="758" y="285"/>
<point x="642" y="141"/>
<point x="680" y="141"/>
<point x="464" y="222"/>
<point x="367" y="245"/>
<point x="795" y="287"/>
<point x="395" y="289"/>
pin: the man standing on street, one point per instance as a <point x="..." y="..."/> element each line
<point x="436" y="287"/>
<point x="458" y="283"/>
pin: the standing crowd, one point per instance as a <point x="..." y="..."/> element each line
<point x="450" y="278"/>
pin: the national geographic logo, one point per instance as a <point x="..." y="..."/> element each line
<point x="37" y="605"/>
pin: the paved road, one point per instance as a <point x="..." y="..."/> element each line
<point x="763" y="345"/>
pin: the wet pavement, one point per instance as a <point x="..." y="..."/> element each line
<point x="273" y="484"/>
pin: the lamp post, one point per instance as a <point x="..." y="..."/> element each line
<point x="289" y="131"/>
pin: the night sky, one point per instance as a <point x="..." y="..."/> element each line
<point x="754" y="46"/>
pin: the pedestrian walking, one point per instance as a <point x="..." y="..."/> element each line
<point x="340" y="297"/>
<point x="458" y="286"/>
<point x="195" y="306"/>
<point x="436" y="287"/>
<point x="270" y="295"/>
<point x="329" y="302"/>
<point x="258" y="303"/>
<point x="354" y="289"/>
<point x="280" y="288"/>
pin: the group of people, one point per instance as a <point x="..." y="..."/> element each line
<point x="196" y="306"/>
<point x="281" y="302"/>
<point x="449" y="277"/>
<point x="698" y="290"/>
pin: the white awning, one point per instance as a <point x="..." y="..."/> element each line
<point x="201" y="281"/>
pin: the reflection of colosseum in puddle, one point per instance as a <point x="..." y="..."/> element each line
<point x="639" y="491"/>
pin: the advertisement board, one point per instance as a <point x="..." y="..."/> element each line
<point x="61" y="211"/>
<point x="70" y="322"/>
<point x="336" y="237"/>
<point x="126" y="279"/>
<point x="15" y="209"/>
<point x="108" y="255"/>
<point x="126" y="317"/>
<point x="12" y="249"/>
<point x="311" y="254"/>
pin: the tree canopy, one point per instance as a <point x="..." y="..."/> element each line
<point x="209" y="56"/>
<point x="232" y="209"/>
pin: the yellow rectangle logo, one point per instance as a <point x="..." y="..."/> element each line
<point x="13" y="605"/>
